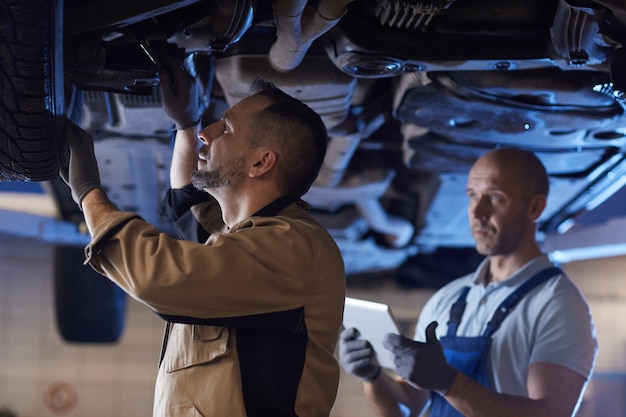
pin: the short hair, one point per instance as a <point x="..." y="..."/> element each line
<point x="297" y="133"/>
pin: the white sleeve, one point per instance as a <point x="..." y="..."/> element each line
<point x="565" y="333"/>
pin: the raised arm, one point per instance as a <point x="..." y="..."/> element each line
<point x="184" y="157"/>
<point x="180" y="95"/>
<point x="83" y="177"/>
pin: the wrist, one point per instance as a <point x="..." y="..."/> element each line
<point x="374" y="375"/>
<point x="187" y="125"/>
<point x="89" y="197"/>
<point x="87" y="189"/>
<point x="96" y="207"/>
<point x="446" y="389"/>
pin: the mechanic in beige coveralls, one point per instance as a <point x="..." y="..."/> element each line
<point x="254" y="305"/>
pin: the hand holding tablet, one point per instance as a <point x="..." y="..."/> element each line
<point x="372" y="320"/>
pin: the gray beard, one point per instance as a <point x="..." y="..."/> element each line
<point x="230" y="173"/>
<point x="208" y="180"/>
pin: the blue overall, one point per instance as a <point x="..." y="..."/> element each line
<point x="469" y="354"/>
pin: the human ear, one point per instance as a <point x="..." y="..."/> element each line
<point x="264" y="160"/>
<point x="537" y="205"/>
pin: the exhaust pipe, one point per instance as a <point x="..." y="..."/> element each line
<point x="298" y="27"/>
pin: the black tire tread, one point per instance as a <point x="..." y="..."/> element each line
<point x="28" y="150"/>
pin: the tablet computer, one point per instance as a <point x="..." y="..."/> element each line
<point x="373" y="320"/>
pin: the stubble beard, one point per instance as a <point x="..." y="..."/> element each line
<point x="485" y="248"/>
<point x="225" y="176"/>
<point x="498" y="243"/>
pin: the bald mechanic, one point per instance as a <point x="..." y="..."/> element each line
<point x="515" y="338"/>
<point x="253" y="308"/>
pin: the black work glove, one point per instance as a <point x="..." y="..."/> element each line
<point x="357" y="355"/>
<point x="81" y="174"/>
<point x="179" y="93"/>
<point x="423" y="365"/>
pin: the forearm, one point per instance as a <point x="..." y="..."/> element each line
<point x="96" y="207"/>
<point x="390" y="397"/>
<point x="475" y="400"/>
<point x="184" y="157"/>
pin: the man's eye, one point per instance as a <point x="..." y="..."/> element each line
<point x="225" y="127"/>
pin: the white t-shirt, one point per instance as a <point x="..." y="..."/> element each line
<point x="552" y="323"/>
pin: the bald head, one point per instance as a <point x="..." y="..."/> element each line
<point x="507" y="190"/>
<point x="521" y="166"/>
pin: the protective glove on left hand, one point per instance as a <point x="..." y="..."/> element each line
<point x="357" y="356"/>
<point x="81" y="174"/>
<point x="423" y="365"/>
<point x="179" y="92"/>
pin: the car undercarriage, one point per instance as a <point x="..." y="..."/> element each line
<point x="412" y="92"/>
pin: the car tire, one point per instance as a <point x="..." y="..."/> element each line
<point x="89" y="308"/>
<point x="32" y="102"/>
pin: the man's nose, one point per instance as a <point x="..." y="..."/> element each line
<point x="480" y="208"/>
<point x="204" y="135"/>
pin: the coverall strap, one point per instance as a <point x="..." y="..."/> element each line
<point x="507" y="305"/>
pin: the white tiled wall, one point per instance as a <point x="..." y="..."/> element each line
<point x="42" y="376"/>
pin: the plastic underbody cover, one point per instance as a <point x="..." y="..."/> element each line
<point x="316" y="82"/>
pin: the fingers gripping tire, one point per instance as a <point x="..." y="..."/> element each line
<point x="31" y="89"/>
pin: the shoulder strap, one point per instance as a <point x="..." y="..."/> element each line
<point x="456" y="312"/>
<point x="507" y="305"/>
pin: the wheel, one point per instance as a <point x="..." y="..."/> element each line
<point x="32" y="101"/>
<point x="89" y="308"/>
